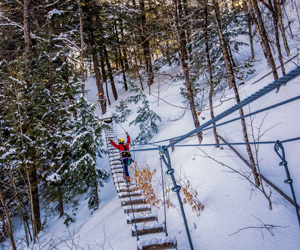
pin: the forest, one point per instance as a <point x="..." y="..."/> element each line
<point x="50" y="134"/>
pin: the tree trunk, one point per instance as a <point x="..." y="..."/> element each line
<point x="146" y="44"/>
<point x="231" y="80"/>
<point x="211" y="84"/>
<point x="110" y="73"/>
<point x="99" y="82"/>
<point x="138" y="70"/>
<point x="249" y="21"/>
<point x="277" y="39"/>
<point x="81" y="49"/>
<point x="19" y="204"/>
<point x="60" y="202"/>
<point x="123" y="68"/>
<point x="54" y="153"/>
<point x="124" y="49"/>
<point x="271" y="6"/>
<point x="96" y="187"/>
<point x="184" y="58"/>
<point x="281" y="26"/>
<point x="27" y="32"/>
<point x="262" y="34"/>
<point x="120" y="57"/>
<point x="188" y="28"/>
<point x="104" y="73"/>
<point x="32" y="176"/>
<point x="8" y="229"/>
<point x="251" y="38"/>
<point x="34" y="200"/>
<point x="226" y="56"/>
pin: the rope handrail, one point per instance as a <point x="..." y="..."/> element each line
<point x="276" y="84"/>
<point x="229" y="121"/>
<point x="219" y="144"/>
<point x="238" y="143"/>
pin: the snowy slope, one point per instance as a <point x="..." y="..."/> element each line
<point x="231" y="204"/>
<point x="236" y="215"/>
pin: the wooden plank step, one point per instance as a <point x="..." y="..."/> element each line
<point x="148" y="228"/>
<point x="117" y="168"/>
<point x="133" y="200"/>
<point x="137" y="208"/>
<point x="122" y="188"/>
<point x="126" y="194"/>
<point x="141" y="217"/>
<point x="125" y="185"/>
<point x="167" y="242"/>
<point x="119" y="180"/>
<point x="115" y="162"/>
<point x="114" y="158"/>
<point x="114" y="155"/>
<point x="116" y="165"/>
<point x="113" y="151"/>
<point x="117" y="171"/>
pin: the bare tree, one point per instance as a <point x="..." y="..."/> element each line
<point x="8" y="228"/>
<point x="145" y="43"/>
<point x="232" y="84"/>
<point x="211" y="84"/>
<point x="181" y="40"/>
<point x="81" y="48"/>
<point x="263" y="36"/>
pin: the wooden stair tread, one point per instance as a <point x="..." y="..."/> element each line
<point x="117" y="167"/>
<point x="141" y="217"/>
<point x="167" y="242"/>
<point x="133" y="200"/>
<point x="126" y="194"/>
<point x="148" y="228"/>
<point x="114" y="155"/>
<point x="137" y="208"/>
<point x="123" y="188"/>
<point x="117" y="171"/>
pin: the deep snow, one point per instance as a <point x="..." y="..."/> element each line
<point x="235" y="214"/>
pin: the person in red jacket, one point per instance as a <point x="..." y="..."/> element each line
<point x="126" y="156"/>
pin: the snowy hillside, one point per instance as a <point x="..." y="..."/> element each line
<point x="236" y="215"/>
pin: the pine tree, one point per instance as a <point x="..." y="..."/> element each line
<point x="146" y="118"/>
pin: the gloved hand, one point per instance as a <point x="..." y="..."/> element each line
<point x="108" y="138"/>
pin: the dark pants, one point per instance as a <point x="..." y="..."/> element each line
<point x="126" y="162"/>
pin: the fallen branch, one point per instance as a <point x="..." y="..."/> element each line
<point x="263" y="178"/>
<point x="272" y="71"/>
<point x="268" y="227"/>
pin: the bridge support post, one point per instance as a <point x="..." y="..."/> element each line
<point x="164" y="154"/>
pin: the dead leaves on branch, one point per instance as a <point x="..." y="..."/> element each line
<point x="144" y="178"/>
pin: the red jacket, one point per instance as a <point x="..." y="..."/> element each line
<point x="120" y="146"/>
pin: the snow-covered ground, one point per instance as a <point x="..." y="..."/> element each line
<point x="236" y="215"/>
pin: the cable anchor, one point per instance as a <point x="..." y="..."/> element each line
<point x="279" y="150"/>
<point x="176" y="188"/>
<point x="170" y="171"/>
